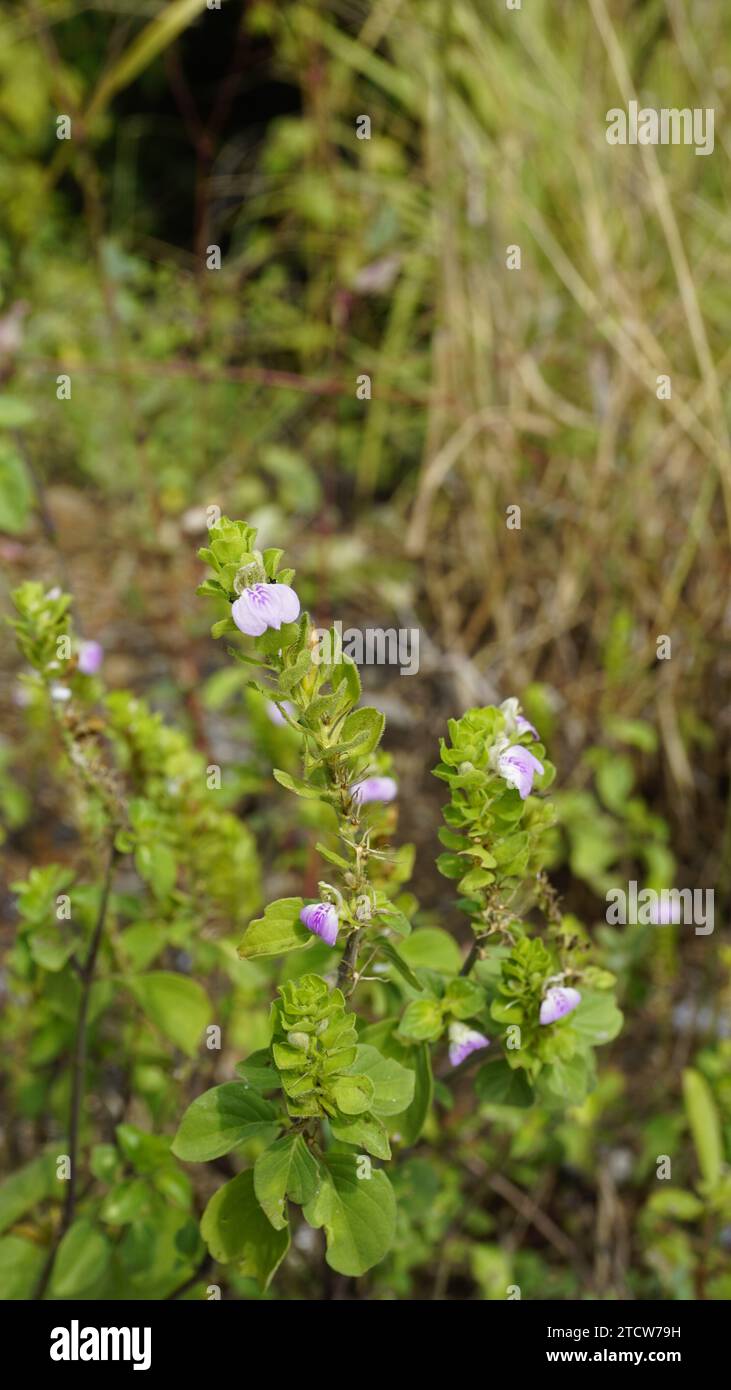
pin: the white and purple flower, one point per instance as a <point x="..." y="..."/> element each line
<point x="519" y="766"/>
<point x="665" y="911"/>
<point x="374" y="789"/>
<point x="515" y="722"/>
<point x="463" y="1041"/>
<point x="262" y="606"/>
<point x="559" y="1001"/>
<point x="322" y="919"/>
<point x="91" y="656"/>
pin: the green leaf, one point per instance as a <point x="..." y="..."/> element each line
<point x="362" y="731"/>
<point x="451" y="865"/>
<point x="157" y="864"/>
<point x="177" y="1005"/>
<point x="358" y="1214"/>
<point x="346" y="672"/>
<point x="257" y="1071"/>
<point x="235" y="1227"/>
<point x="297" y="785"/>
<point x="221" y="1118"/>
<point x="26" y="1188"/>
<point x="15" y="413"/>
<point x="432" y="949"/>
<point x="417" y="1060"/>
<point x="404" y="969"/>
<point x="675" y="1204"/>
<point x="49" y="947"/>
<point x="141" y="943"/>
<point x="364" y="1132"/>
<point x="597" y="1019"/>
<point x="286" y="1169"/>
<point x="705" y="1125"/>
<point x="393" y="1084"/>
<point x="634" y="731"/>
<point x="127" y="1201"/>
<point x="463" y="998"/>
<point x="615" y="780"/>
<point x="499" y="1084"/>
<point x="412" y="1121"/>
<point x="81" y="1260"/>
<point x="568" y="1079"/>
<point x="156" y="36"/>
<point x="292" y="675"/>
<point x="332" y="857"/>
<point x="422" y="1020"/>
<point x="277" y="932"/>
<point x="352" y="1094"/>
<point x="147" y="1153"/>
<point x="16" y="492"/>
<point x="21" y="1263"/>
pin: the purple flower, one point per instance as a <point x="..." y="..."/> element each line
<point x="374" y="789"/>
<point x="322" y="919"/>
<point x="91" y="656"/>
<point x="665" y="911"/>
<point x="463" y="1041"/>
<point x="275" y="713"/>
<point x="515" y="722"/>
<point x="265" y="605"/>
<point x="518" y="766"/>
<point x="559" y="1001"/>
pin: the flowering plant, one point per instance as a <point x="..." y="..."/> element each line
<point x="355" y="1084"/>
<point x="104" y="1014"/>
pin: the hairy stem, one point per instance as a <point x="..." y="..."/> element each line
<point x="347" y="963"/>
<point x="79" y="1069"/>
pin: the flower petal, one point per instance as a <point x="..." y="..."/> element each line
<point x="322" y="919"/>
<point x="91" y="655"/>
<point x="463" y="1041"/>
<point x="519" y="766"/>
<point x="559" y="1001"/>
<point x="286" y="602"/>
<point x="253" y="611"/>
<point x="374" y="789"/>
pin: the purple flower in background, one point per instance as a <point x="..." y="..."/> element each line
<point x="463" y="1041"/>
<point x="523" y="725"/>
<point x="665" y="911"/>
<point x="518" y="766"/>
<point x="265" y="605"/>
<point x="374" y="789"/>
<point x="275" y="713"/>
<point x="91" y="656"/>
<point x="322" y="919"/>
<point x="559" y="1001"/>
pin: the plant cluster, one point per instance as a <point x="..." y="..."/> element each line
<point x="357" y="1082"/>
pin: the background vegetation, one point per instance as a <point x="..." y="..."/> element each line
<point x="236" y="388"/>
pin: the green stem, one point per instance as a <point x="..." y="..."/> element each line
<point x="79" y="1070"/>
